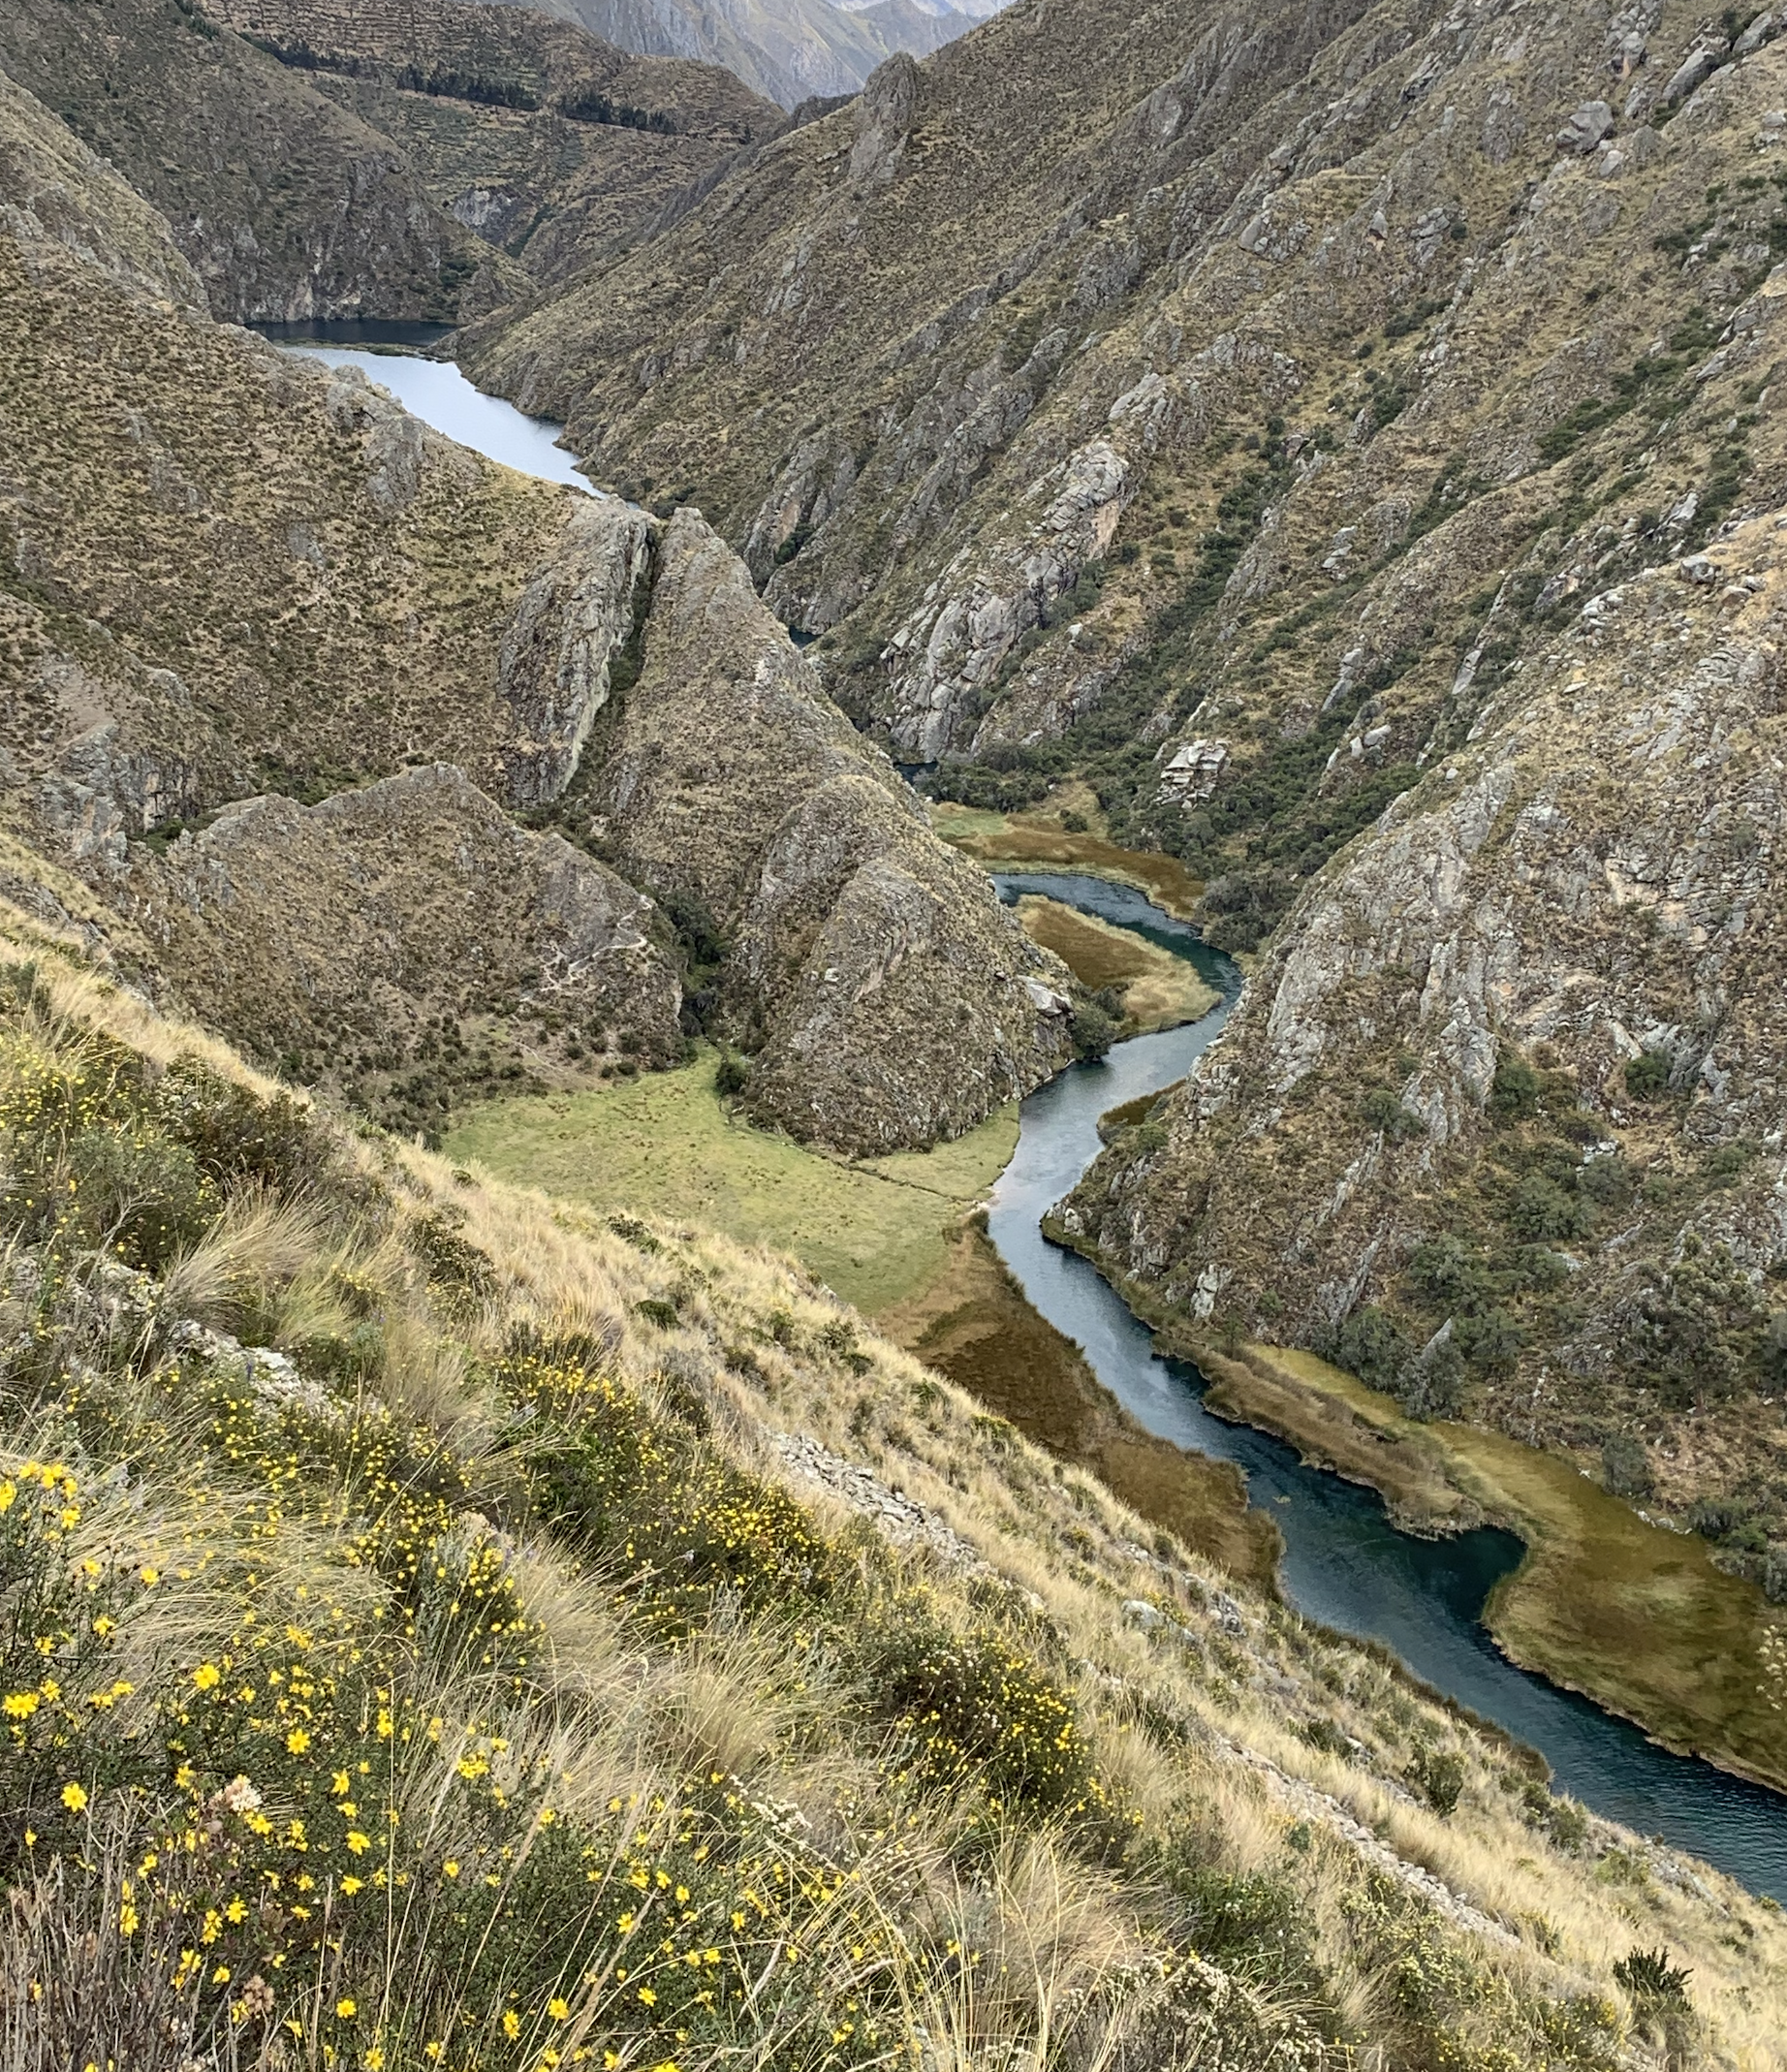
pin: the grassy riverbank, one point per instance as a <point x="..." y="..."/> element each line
<point x="1634" y="1616"/>
<point x="974" y="1325"/>
<point x="667" y="1145"/>
<point x="1036" y="840"/>
<point x="1160" y="991"/>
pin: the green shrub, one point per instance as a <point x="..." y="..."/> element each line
<point x="1648" y="1975"/>
<point x="1438" y="1775"/>
<point x="1514" y="1091"/>
<point x="1372" y="1345"/>
<point x="1541" y="1209"/>
<point x="1625" y="1465"/>
<point x="732" y="1075"/>
<point x="1647" y="1076"/>
<point x="1490" y="1342"/>
<point x="975" y="1704"/>
<point x="1448" y="1270"/>
<point x="1381" y="1109"/>
<point x="1094" y="1029"/>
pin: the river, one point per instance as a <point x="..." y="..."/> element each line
<point x="436" y="392"/>
<point x="1344" y="1563"/>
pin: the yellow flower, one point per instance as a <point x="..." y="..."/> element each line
<point x="353" y="1885"/>
<point x="297" y="1741"/>
<point x="74" y="1798"/>
<point x="21" y="1705"/>
<point x="358" y="1842"/>
<point x="374" y="2059"/>
<point x="208" y="1676"/>
<point x="512" y="2025"/>
<point x="347" y="2009"/>
<point x="559" y="2009"/>
<point x="450" y="1868"/>
<point x="650" y="1997"/>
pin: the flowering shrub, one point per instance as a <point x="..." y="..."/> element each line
<point x="645" y="1499"/>
<point x="976" y="1707"/>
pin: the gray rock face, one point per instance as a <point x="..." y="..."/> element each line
<point x="870" y="968"/>
<point x="1584" y="130"/>
<point x="552" y="666"/>
<point x="282" y="924"/>
<point x="948" y="654"/>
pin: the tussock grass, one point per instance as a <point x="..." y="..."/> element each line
<point x="495" y="1702"/>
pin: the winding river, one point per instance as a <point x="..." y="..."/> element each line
<point x="1344" y="1563"/>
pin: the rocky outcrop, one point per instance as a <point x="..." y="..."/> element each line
<point x="560" y="643"/>
<point x="945" y="661"/>
<point x="790" y="49"/>
<point x="298" y="930"/>
<point x="888" y="996"/>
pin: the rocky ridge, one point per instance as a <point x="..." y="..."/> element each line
<point x="551" y="145"/>
<point x="792" y="51"/>
<point x="274" y="580"/>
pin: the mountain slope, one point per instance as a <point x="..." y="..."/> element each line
<point x="1290" y="387"/>
<point x="565" y="1559"/>
<point x="286" y="206"/>
<point x="274" y="580"/>
<point x="551" y="145"/>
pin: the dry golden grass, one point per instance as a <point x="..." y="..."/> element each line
<point x="751" y="1698"/>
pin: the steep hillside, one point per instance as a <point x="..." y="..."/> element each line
<point x="450" y="1630"/>
<point x="1307" y="405"/>
<point x="547" y="143"/>
<point x="791" y="50"/>
<point x="274" y="580"/>
<point x="286" y="206"/>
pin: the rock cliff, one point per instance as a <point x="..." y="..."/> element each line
<point x="887" y="996"/>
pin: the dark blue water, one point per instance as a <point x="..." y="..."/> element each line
<point x="357" y="330"/>
<point x="1344" y="1564"/>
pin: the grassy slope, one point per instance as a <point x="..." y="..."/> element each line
<point x="748" y="1697"/>
<point x="974" y="1325"/>
<point x="667" y="1145"/>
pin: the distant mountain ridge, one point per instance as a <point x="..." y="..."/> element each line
<point x="791" y="50"/>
